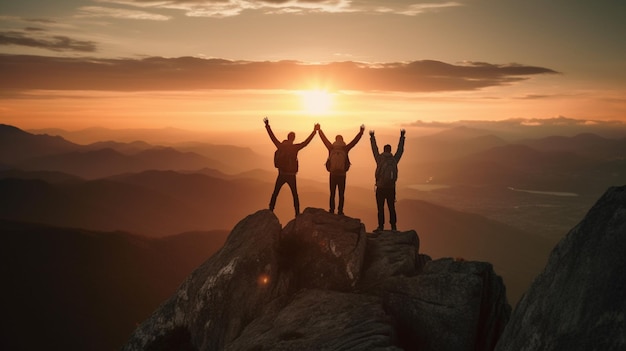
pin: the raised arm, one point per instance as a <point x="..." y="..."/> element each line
<point x="269" y="131"/>
<point x="307" y="140"/>
<point x="374" y="146"/>
<point x="356" y="138"/>
<point x="400" y="150"/>
<point x="325" y="140"/>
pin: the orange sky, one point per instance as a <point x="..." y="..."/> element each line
<point x="223" y="65"/>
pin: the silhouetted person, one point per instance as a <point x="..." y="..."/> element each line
<point x="386" y="176"/>
<point x="286" y="160"/>
<point x="337" y="165"/>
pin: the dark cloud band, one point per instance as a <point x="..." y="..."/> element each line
<point x="54" y="43"/>
<point x="23" y="72"/>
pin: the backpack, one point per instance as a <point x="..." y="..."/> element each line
<point x="280" y="158"/>
<point x="337" y="161"/>
<point x="386" y="171"/>
<point x="284" y="159"/>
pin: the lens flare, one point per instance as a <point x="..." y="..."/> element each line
<point x="263" y="280"/>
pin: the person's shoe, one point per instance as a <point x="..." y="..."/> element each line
<point x="340" y="213"/>
<point x="331" y="211"/>
<point x="394" y="228"/>
<point x="379" y="229"/>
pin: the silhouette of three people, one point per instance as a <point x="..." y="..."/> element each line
<point x="337" y="164"/>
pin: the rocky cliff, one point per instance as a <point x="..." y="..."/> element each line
<point x="579" y="301"/>
<point x="322" y="282"/>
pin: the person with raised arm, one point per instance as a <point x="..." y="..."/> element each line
<point x="286" y="160"/>
<point x="386" y="177"/>
<point x="337" y="165"/>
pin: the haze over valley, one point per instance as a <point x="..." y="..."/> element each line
<point x="470" y="193"/>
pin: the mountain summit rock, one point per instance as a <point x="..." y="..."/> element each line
<point x="578" y="302"/>
<point x="323" y="283"/>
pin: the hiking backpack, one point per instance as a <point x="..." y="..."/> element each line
<point x="386" y="171"/>
<point x="280" y="158"/>
<point x="285" y="160"/>
<point x="337" y="161"/>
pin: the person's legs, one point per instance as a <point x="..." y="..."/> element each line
<point x="291" y="180"/>
<point x="333" y="186"/>
<point x="341" y="183"/>
<point x="280" y="180"/>
<point x="391" y="203"/>
<point x="380" y="204"/>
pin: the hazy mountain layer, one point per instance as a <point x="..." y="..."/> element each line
<point x="89" y="289"/>
<point x="528" y="192"/>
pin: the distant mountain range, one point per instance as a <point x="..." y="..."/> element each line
<point x="185" y="202"/>
<point x="584" y="163"/>
<point x="26" y="151"/>
<point x="18" y="145"/>
<point x="458" y="156"/>
<point x="150" y="135"/>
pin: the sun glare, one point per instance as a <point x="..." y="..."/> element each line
<point x="316" y="102"/>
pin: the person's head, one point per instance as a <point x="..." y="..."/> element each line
<point x="339" y="138"/>
<point x="291" y="136"/>
<point x="387" y="148"/>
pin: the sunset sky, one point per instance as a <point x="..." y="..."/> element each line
<point x="225" y="64"/>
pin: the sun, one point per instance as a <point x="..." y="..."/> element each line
<point x="316" y="102"/>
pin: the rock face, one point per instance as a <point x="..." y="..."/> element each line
<point x="578" y="302"/>
<point x="323" y="283"/>
<point x="451" y="306"/>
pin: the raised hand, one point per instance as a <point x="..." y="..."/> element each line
<point x="362" y="127"/>
<point x="402" y="132"/>
<point x="317" y="126"/>
<point x="371" y="133"/>
<point x="266" y="120"/>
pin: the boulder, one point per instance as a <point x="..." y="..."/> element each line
<point x="389" y="254"/>
<point x="451" y="305"/>
<point x="322" y="250"/>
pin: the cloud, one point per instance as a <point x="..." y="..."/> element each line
<point x="34" y="29"/>
<point x="17" y="21"/>
<point x="188" y="73"/>
<point x="520" y="124"/>
<point x="416" y="9"/>
<point x="229" y="8"/>
<point x="53" y="42"/>
<point x="535" y="97"/>
<point x="98" y="11"/>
